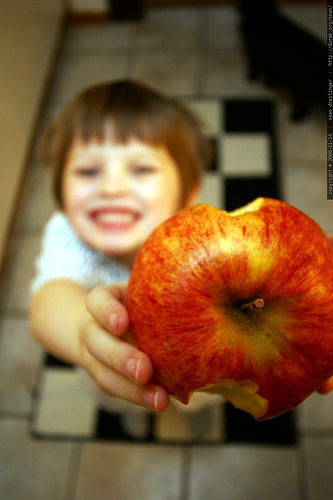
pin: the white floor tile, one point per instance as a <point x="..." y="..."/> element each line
<point x="226" y="75"/>
<point x="64" y="407"/>
<point x="211" y="191"/>
<point x="318" y="473"/>
<point x="243" y="472"/>
<point x="20" y="357"/>
<point x="80" y="69"/>
<point x="168" y="28"/>
<point x="304" y="140"/>
<point x="128" y="472"/>
<point x="209" y="111"/>
<point x="305" y="187"/>
<point x="223" y="28"/>
<point x="246" y="155"/>
<point x="316" y="413"/>
<point x="29" y="468"/>
<point x="177" y="425"/>
<point x="172" y="71"/>
<point x="99" y="36"/>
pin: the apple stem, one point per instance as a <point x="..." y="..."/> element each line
<point x="254" y="304"/>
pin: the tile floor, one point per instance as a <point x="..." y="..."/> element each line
<point x="204" y="43"/>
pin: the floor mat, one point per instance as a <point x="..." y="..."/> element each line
<point x="244" y="166"/>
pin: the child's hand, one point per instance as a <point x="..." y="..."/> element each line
<point x="109" y="352"/>
<point x="327" y="387"/>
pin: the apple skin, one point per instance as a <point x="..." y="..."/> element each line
<point x="192" y="305"/>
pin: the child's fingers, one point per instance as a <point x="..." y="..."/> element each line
<point x="149" y="396"/>
<point x="330" y="237"/>
<point x="117" y="354"/>
<point x="327" y="387"/>
<point x="107" y="306"/>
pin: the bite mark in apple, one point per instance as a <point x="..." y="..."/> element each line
<point x="243" y="395"/>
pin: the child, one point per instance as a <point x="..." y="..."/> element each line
<point x="124" y="159"/>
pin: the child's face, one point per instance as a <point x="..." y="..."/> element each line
<point x="115" y="195"/>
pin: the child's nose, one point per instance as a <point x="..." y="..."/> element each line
<point x="115" y="184"/>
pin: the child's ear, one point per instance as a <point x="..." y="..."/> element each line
<point x="193" y="196"/>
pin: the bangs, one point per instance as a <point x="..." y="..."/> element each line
<point x="121" y="113"/>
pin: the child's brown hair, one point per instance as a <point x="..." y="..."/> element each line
<point x="134" y="112"/>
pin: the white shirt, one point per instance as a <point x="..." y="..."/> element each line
<point x="64" y="255"/>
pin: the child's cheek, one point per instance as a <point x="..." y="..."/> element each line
<point x="76" y="196"/>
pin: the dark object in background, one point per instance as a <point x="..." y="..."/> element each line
<point x="125" y="10"/>
<point x="284" y="55"/>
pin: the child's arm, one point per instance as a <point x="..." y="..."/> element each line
<point x="88" y="329"/>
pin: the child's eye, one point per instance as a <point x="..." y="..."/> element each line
<point x="86" y="171"/>
<point x="143" y="169"/>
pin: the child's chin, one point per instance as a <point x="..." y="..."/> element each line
<point x="121" y="255"/>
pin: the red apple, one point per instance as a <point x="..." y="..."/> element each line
<point x="238" y="303"/>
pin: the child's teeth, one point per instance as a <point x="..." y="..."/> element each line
<point x="114" y="218"/>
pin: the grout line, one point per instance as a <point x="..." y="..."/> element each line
<point x="301" y="472"/>
<point x="72" y="473"/>
<point x="185" y="473"/>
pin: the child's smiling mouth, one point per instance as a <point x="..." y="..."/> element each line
<point x="115" y="218"/>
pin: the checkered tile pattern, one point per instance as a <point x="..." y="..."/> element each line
<point x="245" y="163"/>
<point x="244" y="166"/>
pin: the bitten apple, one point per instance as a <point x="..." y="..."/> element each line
<point x="239" y="304"/>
